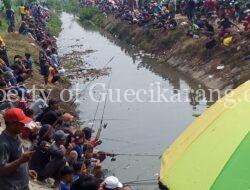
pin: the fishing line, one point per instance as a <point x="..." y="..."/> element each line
<point x="107" y="119"/>
<point x="139" y="155"/>
<point x="118" y="140"/>
<point x="92" y="80"/>
<point x="96" y="112"/>
<point x="144" y="184"/>
<point x="144" y="181"/>
<point x="106" y="98"/>
<point x="98" y="134"/>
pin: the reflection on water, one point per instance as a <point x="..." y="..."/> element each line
<point x="133" y="127"/>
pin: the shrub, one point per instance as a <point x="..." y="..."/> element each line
<point x="55" y="23"/>
<point x="7" y="4"/>
<point x="88" y="13"/>
<point x="92" y="15"/>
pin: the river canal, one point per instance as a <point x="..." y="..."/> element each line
<point x="134" y="127"/>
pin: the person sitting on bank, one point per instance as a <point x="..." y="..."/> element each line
<point x="50" y="114"/>
<point x="58" y="154"/>
<point x="86" y="183"/>
<point x="3" y="52"/>
<point x="112" y="183"/>
<point x="66" y="178"/>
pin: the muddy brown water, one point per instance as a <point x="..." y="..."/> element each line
<point x="133" y="127"/>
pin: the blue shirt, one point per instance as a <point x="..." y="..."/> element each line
<point x="29" y="63"/>
<point x="64" y="186"/>
<point x="79" y="150"/>
<point x="54" y="60"/>
<point x="75" y="177"/>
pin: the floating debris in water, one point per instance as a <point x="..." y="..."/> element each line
<point x="156" y="175"/>
<point x="126" y="167"/>
<point x="77" y="68"/>
<point x="76" y="45"/>
<point x="196" y="115"/>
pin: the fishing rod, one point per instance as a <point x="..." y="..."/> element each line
<point x="98" y="134"/>
<point x="106" y="98"/>
<point x="142" y="182"/>
<point x="107" y="119"/>
<point x="96" y="112"/>
<point x="139" y="155"/>
<point x="117" y="140"/>
<point x="130" y="154"/>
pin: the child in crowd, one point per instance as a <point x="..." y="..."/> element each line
<point x="79" y="139"/>
<point x="77" y="170"/>
<point x="80" y="169"/>
<point x="66" y="178"/>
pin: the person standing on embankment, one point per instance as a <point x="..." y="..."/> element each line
<point x="14" y="173"/>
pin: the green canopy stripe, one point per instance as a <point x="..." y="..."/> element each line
<point x="236" y="173"/>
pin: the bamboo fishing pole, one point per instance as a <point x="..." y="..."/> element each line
<point x="139" y="155"/>
<point x="96" y="112"/>
<point x="131" y="154"/>
<point x="144" y="181"/>
<point x="98" y="134"/>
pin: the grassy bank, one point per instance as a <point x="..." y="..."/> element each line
<point x="55" y="24"/>
<point x="87" y="15"/>
<point x="3" y="24"/>
<point x="19" y="44"/>
<point x="71" y="6"/>
<point x="92" y="15"/>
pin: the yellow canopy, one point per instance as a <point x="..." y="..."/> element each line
<point x="197" y="157"/>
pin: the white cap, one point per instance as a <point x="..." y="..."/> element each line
<point x="112" y="182"/>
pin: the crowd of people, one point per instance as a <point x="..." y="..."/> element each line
<point x="54" y="149"/>
<point x="205" y="17"/>
<point x="34" y="19"/>
<point x="38" y="141"/>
